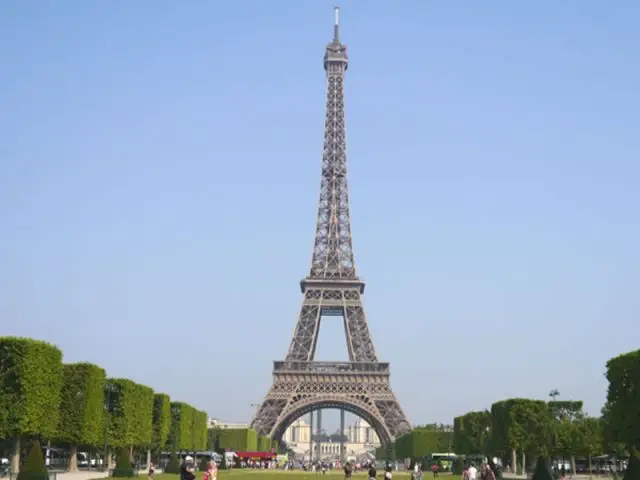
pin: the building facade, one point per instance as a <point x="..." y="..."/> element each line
<point x="361" y="441"/>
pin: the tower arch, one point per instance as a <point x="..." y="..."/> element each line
<point x="359" y="407"/>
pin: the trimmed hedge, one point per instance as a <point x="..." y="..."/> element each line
<point x="236" y="439"/>
<point x="42" y="398"/>
<point x="82" y="405"/>
<point x="264" y="444"/>
<point x="386" y="452"/>
<point x="31" y="380"/>
<point x="180" y="432"/>
<point x="161" y="420"/>
<point x="199" y="430"/>
<point x="421" y="442"/>
<point x="124" y="410"/>
<point x="143" y="425"/>
<point x="202" y="427"/>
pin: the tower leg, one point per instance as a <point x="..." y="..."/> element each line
<point x="319" y="442"/>
<point x="342" y="452"/>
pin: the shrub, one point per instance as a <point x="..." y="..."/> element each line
<point x="542" y="471"/>
<point x="174" y="464"/>
<point x="123" y="465"/>
<point x="633" y="469"/>
<point x="204" y="464"/>
<point x="34" y="468"/>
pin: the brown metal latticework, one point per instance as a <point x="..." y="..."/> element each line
<point x="332" y="288"/>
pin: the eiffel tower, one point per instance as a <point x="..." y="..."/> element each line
<point x="332" y="288"/>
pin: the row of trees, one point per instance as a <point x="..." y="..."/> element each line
<point x="534" y="428"/>
<point x="77" y="405"/>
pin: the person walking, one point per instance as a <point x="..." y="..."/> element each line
<point x="186" y="469"/>
<point x="212" y="471"/>
<point x="372" y="472"/>
<point x="472" y="472"/>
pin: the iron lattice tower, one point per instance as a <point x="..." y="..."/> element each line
<point x="332" y="288"/>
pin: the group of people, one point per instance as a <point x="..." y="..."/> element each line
<point x="348" y="471"/>
<point x="486" y="472"/>
<point x="187" y="470"/>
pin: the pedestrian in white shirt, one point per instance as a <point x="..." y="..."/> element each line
<point x="472" y="472"/>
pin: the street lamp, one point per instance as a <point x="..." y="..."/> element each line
<point x="554" y="393"/>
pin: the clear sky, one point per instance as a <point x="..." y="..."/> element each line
<point x="159" y="173"/>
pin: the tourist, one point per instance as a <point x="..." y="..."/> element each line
<point x="434" y="468"/>
<point x="472" y="472"/>
<point x="348" y="470"/>
<point x="489" y="473"/>
<point x="372" y="472"/>
<point x="186" y="469"/>
<point x="152" y="472"/>
<point x="212" y="471"/>
<point x="387" y="473"/>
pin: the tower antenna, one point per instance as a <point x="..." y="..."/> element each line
<point x="336" y="24"/>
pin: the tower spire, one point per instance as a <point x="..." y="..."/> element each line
<point x="333" y="251"/>
<point x="336" y="25"/>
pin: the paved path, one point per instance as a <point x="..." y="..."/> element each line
<point x="81" y="475"/>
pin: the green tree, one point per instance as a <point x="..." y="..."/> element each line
<point x="180" y="431"/>
<point x="471" y="433"/>
<point x="34" y="468"/>
<point x="623" y="400"/>
<point x="161" y="420"/>
<point x="591" y="437"/>
<point x="521" y="424"/>
<point x="144" y="416"/>
<point x="199" y="430"/>
<point x="610" y="444"/>
<point x="565" y="409"/>
<point x="81" y="408"/>
<point x="30" y="385"/>
<point x="633" y="469"/>
<point x="203" y="426"/>
<point x="567" y="432"/>
<point x="129" y="421"/>
<point x="143" y="420"/>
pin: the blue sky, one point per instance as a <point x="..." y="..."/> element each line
<point x="159" y="173"/>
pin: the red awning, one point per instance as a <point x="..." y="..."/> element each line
<point x="256" y="454"/>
